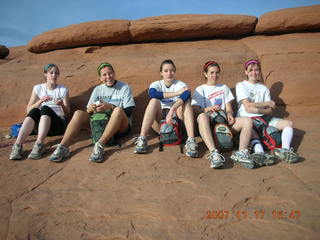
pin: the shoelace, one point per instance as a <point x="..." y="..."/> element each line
<point x="244" y="154"/>
<point x="97" y="149"/>
<point x="215" y="155"/>
<point x="191" y="144"/>
<point x="139" y="141"/>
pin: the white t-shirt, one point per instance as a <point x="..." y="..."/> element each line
<point x="206" y="95"/>
<point x="58" y="93"/>
<point x="161" y="87"/>
<point x="254" y="92"/>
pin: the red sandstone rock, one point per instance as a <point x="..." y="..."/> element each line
<point x="186" y="27"/>
<point x="4" y="51"/>
<point x="89" y="33"/>
<point x="289" y="20"/>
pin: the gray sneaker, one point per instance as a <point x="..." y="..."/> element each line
<point x="191" y="148"/>
<point x="287" y="155"/>
<point x="16" y="153"/>
<point x="141" y="145"/>
<point x="37" y="151"/>
<point x="216" y="159"/>
<point x="263" y="159"/>
<point x="60" y="154"/>
<point x="243" y="158"/>
<point x="97" y="153"/>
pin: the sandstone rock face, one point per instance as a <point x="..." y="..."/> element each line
<point x="89" y="33"/>
<point x="184" y="27"/>
<point x="4" y="51"/>
<point x="289" y="20"/>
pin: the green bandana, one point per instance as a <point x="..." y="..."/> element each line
<point x="103" y="65"/>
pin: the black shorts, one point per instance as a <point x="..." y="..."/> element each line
<point x="58" y="124"/>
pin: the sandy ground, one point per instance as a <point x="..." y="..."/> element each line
<point x="159" y="195"/>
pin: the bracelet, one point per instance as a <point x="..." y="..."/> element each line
<point x="113" y="106"/>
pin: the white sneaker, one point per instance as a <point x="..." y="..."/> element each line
<point x="60" y="153"/>
<point x="191" y="148"/>
<point x="216" y="159"/>
<point x="243" y="158"/>
<point x="97" y="153"/>
<point x="141" y="145"/>
<point x="16" y="153"/>
<point x="287" y="155"/>
<point x="37" y="151"/>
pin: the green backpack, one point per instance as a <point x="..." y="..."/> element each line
<point x="98" y="122"/>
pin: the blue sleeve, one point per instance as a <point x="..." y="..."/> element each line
<point x="153" y="93"/>
<point x="185" y="95"/>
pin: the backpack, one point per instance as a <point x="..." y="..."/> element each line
<point x="222" y="134"/>
<point x="15" y="129"/>
<point x="170" y="134"/>
<point x="98" y="122"/>
<point x="270" y="136"/>
<point x="223" y="137"/>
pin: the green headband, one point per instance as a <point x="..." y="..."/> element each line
<point x="103" y="65"/>
<point x="46" y="68"/>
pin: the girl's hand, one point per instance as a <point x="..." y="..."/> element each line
<point x="46" y="99"/>
<point x="230" y="118"/>
<point x="169" y="116"/>
<point x="59" y="102"/>
<point x="100" y="107"/>
<point x="92" y="108"/>
<point x="212" y="108"/>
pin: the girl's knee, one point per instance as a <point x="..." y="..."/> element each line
<point x="202" y="117"/>
<point x="248" y="122"/>
<point x="118" y="111"/>
<point x="154" y="101"/>
<point x="78" y="115"/>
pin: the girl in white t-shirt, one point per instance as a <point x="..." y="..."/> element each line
<point x="47" y="109"/>
<point x="211" y="97"/>
<point x="169" y="97"/>
<point x="254" y="100"/>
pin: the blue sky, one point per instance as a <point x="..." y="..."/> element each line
<point x="21" y="20"/>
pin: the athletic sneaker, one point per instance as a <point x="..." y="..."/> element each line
<point x="191" y="148"/>
<point x="60" y="153"/>
<point x="37" y="151"/>
<point x="16" y="153"/>
<point x="287" y="155"/>
<point x="141" y="145"/>
<point x="216" y="159"/>
<point x="262" y="159"/>
<point x="243" y="158"/>
<point x="97" y="153"/>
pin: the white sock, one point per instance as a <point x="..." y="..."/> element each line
<point x="286" y="137"/>
<point x="257" y="146"/>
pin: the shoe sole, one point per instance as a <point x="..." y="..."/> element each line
<point x="262" y="160"/>
<point x="217" y="167"/>
<point x="140" y="152"/>
<point x="287" y="161"/>
<point x="15" y="158"/>
<point x="244" y="164"/>
<point x="59" y="159"/>
<point x="193" y="156"/>
<point x="96" y="161"/>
